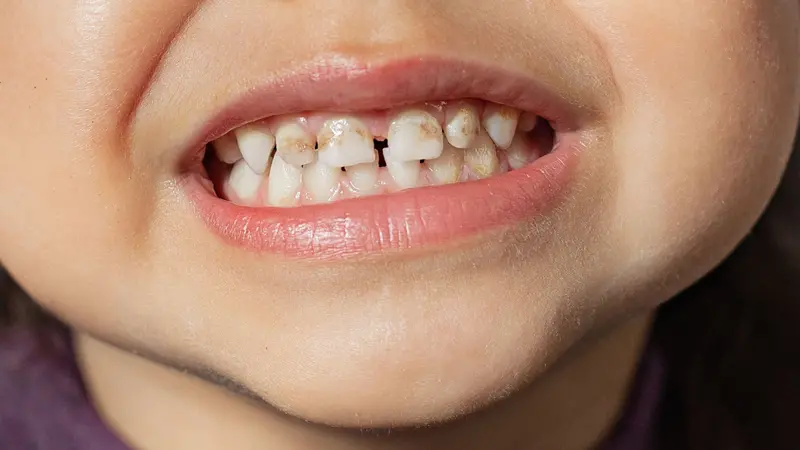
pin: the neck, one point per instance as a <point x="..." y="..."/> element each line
<point x="571" y="407"/>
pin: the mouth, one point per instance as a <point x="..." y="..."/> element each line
<point x="344" y="160"/>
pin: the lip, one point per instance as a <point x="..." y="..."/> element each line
<point x="407" y="220"/>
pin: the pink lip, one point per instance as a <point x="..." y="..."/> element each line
<point x="412" y="219"/>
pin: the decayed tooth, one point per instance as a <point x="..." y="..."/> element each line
<point x="462" y="124"/>
<point x="295" y="144"/>
<point x="256" y="144"/>
<point x="447" y="168"/>
<point x="364" y="178"/>
<point x="345" y="142"/>
<point x="520" y="153"/>
<point x="482" y="158"/>
<point x="284" y="183"/>
<point x="322" y="182"/>
<point x="404" y="173"/>
<point x="227" y="149"/>
<point x="414" y="135"/>
<point x="244" y="182"/>
<point x="501" y="123"/>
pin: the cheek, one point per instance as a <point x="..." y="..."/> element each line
<point x="710" y="111"/>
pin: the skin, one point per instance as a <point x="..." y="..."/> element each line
<point x="697" y="105"/>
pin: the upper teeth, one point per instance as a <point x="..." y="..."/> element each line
<point x="256" y="144"/>
<point x="345" y="142"/>
<point x="288" y="160"/>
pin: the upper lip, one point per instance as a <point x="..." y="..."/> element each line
<point x="336" y="83"/>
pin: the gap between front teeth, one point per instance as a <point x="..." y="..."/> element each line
<point x="318" y="158"/>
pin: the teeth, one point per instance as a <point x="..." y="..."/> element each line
<point x="245" y="183"/>
<point x="482" y="158"/>
<point x="527" y="122"/>
<point x="295" y="144"/>
<point x="322" y="182"/>
<point x="519" y="153"/>
<point x="462" y="124"/>
<point x="414" y="135"/>
<point x="227" y="149"/>
<point x="447" y="168"/>
<point x="285" y="181"/>
<point x="501" y="123"/>
<point x="405" y="173"/>
<point x="364" y="178"/>
<point x="345" y="142"/>
<point x="256" y="144"/>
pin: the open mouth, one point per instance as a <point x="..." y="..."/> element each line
<point x="312" y="158"/>
<point x="436" y="164"/>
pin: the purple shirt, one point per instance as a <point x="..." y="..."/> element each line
<point x="44" y="406"/>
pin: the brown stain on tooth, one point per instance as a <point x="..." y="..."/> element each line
<point x="427" y="130"/>
<point x="295" y="145"/>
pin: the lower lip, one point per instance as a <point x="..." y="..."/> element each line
<point x="413" y="219"/>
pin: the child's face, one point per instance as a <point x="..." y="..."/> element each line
<point x="675" y="120"/>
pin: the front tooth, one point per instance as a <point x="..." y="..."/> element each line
<point x="447" y="168"/>
<point x="462" y="124"/>
<point x="414" y="135"/>
<point x="322" y="182"/>
<point x="227" y="149"/>
<point x="345" y="142"/>
<point x="245" y="183"/>
<point x="364" y="178"/>
<point x="404" y="173"/>
<point x="519" y="153"/>
<point x="284" y="185"/>
<point x="501" y="123"/>
<point x="256" y="144"/>
<point x="295" y="144"/>
<point x="482" y="158"/>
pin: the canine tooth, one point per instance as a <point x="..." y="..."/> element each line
<point x="404" y="173"/>
<point x="227" y="149"/>
<point x="284" y="183"/>
<point x="295" y="144"/>
<point x="447" y="168"/>
<point x="256" y="144"/>
<point x="345" y="142"/>
<point x="519" y="153"/>
<point x="244" y="182"/>
<point x="321" y="181"/>
<point x="414" y="135"/>
<point x="462" y="124"/>
<point x="482" y="158"/>
<point x="364" y="177"/>
<point x="501" y="123"/>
